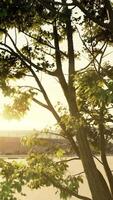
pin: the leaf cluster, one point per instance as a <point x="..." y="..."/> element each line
<point x="96" y="8"/>
<point x="20" y="14"/>
<point x="12" y="179"/>
<point x="18" y="107"/>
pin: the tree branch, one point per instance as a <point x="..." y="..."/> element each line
<point x="90" y="16"/>
<point x="58" y="185"/>
<point x="45" y="44"/>
<point x="40" y="103"/>
<point x="20" y="55"/>
<point x="110" y="12"/>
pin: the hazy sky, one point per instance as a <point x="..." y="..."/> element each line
<point x="38" y="117"/>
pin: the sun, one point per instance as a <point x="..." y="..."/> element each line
<point x="36" y="118"/>
<point x="15" y="125"/>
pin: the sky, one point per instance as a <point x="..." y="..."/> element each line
<point x="38" y="117"/>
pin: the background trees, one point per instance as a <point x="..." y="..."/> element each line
<point x="87" y="90"/>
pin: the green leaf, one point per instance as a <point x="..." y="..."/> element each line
<point x="3" y="13"/>
<point x="60" y="153"/>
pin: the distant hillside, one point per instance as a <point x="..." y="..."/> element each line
<point x="21" y="133"/>
<point x="13" y="146"/>
<point x="15" y="133"/>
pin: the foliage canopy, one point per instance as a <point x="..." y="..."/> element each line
<point x="88" y="90"/>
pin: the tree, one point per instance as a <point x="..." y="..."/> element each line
<point x="45" y="26"/>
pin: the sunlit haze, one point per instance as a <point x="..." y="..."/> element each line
<point x="38" y="117"/>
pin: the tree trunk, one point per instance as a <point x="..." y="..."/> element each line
<point x="103" y="150"/>
<point x="97" y="185"/>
